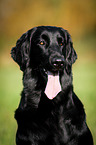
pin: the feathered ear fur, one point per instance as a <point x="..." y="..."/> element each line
<point x="20" y="53"/>
<point x="70" y="53"/>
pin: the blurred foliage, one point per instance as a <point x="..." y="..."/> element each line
<point x="20" y="15"/>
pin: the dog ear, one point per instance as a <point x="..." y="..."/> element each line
<point x="70" y="53"/>
<point x="21" y="52"/>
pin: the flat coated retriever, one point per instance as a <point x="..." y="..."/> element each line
<point x="49" y="112"/>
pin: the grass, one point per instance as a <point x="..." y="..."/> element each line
<point x="11" y="86"/>
<point x="85" y="88"/>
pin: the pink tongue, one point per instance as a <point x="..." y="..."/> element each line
<point x="53" y="86"/>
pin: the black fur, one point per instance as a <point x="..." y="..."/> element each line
<point x="41" y="121"/>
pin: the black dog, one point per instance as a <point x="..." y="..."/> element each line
<point x="49" y="112"/>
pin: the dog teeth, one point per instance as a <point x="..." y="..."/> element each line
<point x="45" y="71"/>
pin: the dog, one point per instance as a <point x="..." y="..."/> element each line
<point x="49" y="112"/>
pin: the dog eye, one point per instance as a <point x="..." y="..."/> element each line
<point x="61" y="44"/>
<point x="42" y="43"/>
<point x="60" y="41"/>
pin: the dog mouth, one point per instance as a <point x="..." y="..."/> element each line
<point x="53" y="86"/>
<point x="53" y="69"/>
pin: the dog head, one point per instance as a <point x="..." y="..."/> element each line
<point x="45" y="46"/>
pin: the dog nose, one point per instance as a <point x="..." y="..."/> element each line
<point x="58" y="63"/>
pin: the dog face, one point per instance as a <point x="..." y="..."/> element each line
<point x="48" y="47"/>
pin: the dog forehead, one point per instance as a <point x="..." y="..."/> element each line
<point x="49" y="31"/>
